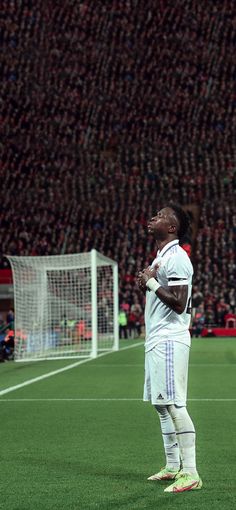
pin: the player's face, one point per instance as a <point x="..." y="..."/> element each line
<point x="161" y="224"/>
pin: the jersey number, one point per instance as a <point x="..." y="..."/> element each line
<point x="189" y="306"/>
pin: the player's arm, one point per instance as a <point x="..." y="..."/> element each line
<point x="141" y="280"/>
<point x="175" y="296"/>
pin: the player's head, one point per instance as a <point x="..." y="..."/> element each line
<point x="182" y="219"/>
<point x="171" y="222"/>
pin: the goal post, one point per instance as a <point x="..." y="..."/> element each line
<point x="66" y="306"/>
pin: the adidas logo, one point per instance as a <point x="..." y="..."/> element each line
<point x="160" y="397"/>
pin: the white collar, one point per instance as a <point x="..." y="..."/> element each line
<point x="167" y="247"/>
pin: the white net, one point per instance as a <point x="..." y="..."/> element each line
<point x="65" y="305"/>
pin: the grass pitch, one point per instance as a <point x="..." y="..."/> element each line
<point x="84" y="440"/>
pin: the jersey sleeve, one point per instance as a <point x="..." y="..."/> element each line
<point x="178" y="271"/>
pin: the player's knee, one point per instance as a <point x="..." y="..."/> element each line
<point x="181" y="418"/>
<point x="161" y="409"/>
<point x="176" y="411"/>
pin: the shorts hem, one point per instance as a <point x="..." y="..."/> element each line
<point x="165" y="402"/>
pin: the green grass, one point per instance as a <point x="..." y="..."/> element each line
<point x="97" y="454"/>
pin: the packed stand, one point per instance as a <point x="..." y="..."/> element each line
<point x="7" y="337"/>
<point x="110" y="111"/>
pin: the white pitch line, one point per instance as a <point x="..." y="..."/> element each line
<point x="107" y="400"/>
<point x="212" y="365"/>
<point x="59" y="370"/>
<point x="130" y="365"/>
<point x="71" y="400"/>
<point x="211" y="399"/>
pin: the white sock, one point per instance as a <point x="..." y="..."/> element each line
<point x="185" y="433"/>
<point x="170" y="442"/>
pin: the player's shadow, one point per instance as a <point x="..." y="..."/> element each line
<point x="57" y="465"/>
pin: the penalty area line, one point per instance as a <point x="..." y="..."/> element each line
<point x="63" y="369"/>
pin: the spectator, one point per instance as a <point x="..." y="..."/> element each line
<point x="198" y="321"/>
<point x="123" y="324"/>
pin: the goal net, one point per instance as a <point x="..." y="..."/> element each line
<point x="66" y="306"/>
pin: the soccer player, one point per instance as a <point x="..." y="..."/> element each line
<point x="168" y="283"/>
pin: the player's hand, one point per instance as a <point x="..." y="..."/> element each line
<point x="145" y="275"/>
<point x="140" y="281"/>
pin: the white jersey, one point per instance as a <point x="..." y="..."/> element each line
<point x="161" y="322"/>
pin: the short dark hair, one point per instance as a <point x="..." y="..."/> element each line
<point x="183" y="219"/>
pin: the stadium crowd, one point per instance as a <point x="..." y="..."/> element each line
<point x="108" y="111"/>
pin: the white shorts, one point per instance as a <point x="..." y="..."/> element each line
<point x="166" y="373"/>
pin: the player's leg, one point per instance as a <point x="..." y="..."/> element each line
<point x="155" y="391"/>
<point x="171" y="447"/>
<point x="169" y="437"/>
<point x="188" y="478"/>
<point x="183" y="424"/>
<point x="185" y="433"/>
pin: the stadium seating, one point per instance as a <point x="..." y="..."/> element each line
<point x="109" y="111"/>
